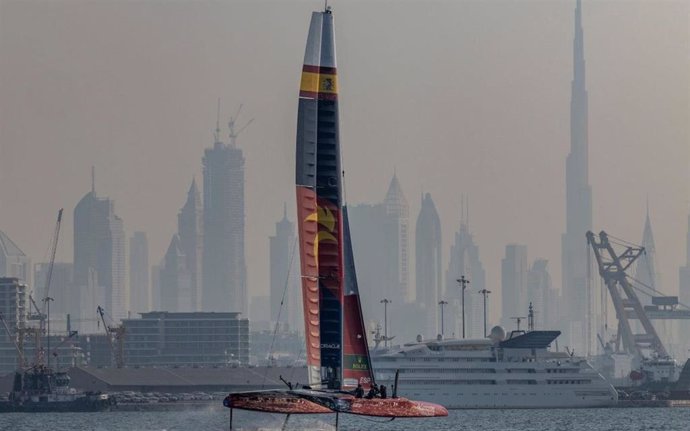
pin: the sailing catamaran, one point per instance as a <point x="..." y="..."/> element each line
<point x="338" y="357"/>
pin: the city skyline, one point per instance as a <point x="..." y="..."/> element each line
<point x="503" y="191"/>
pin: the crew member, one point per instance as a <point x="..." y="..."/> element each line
<point x="359" y="391"/>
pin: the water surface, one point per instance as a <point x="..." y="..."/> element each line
<point x="638" y="419"/>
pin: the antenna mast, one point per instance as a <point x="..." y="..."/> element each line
<point x="216" y="135"/>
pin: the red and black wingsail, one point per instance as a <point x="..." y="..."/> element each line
<point x="337" y="351"/>
<point x="319" y="200"/>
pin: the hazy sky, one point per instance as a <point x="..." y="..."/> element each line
<point x="460" y="96"/>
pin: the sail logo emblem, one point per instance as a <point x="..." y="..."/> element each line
<point x="327" y="84"/>
<point x="325" y="218"/>
<point x="360" y="364"/>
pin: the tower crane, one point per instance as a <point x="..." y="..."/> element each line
<point x="39" y="313"/>
<point x="231" y="125"/>
<point x="612" y="267"/>
<point x="116" y="338"/>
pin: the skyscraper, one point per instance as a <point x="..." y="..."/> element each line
<point x="13" y="261"/>
<point x="684" y="293"/>
<point x="541" y="294"/>
<point x="175" y="280"/>
<point x="514" y="285"/>
<point x="684" y="272"/>
<point x="380" y="243"/>
<point x="99" y="258"/>
<point x="224" y="278"/>
<point x="285" y="276"/>
<point x="368" y="227"/>
<point x="645" y="267"/>
<point x="464" y="260"/>
<point x="139" y="286"/>
<point x="190" y="231"/>
<point x="397" y="211"/>
<point x="428" y="260"/>
<point x="648" y="281"/>
<point x="578" y="199"/>
<point x="156" y="286"/>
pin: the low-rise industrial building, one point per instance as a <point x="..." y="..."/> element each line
<point x="161" y="338"/>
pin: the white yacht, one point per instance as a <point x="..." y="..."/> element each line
<point x="494" y="372"/>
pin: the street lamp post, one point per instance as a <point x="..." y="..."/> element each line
<point x="441" y="304"/>
<point x="463" y="284"/>
<point x="484" y="293"/>
<point x="385" y="302"/>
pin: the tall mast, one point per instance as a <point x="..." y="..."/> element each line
<point x="319" y="202"/>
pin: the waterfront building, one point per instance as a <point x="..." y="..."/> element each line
<point x="428" y="261"/>
<point x="99" y="260"/>
<point x="13" y="303"/>
<point x="286" y="303"/>
<point x="95" y="349"/>
<point x="578" y="200"/>
<point x="224" y="278"/>
<point x="465" y="261"/>
<point x="186" y="339"/>
<point x="13" y="261"/>
<point x="514" y="286"/>
<point x="139" y="278"/>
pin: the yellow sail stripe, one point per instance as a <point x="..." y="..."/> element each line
<point x="319" y="83"/>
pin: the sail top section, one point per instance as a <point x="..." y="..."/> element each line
<point x="319" y="71"/>
<point x="320" y="50"/>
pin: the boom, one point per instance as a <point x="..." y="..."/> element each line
<point x="612" y="267"/>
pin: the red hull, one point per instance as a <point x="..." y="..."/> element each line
<point x="303" y="401"/>
<point x="396" y="407"/>
<point x="273" y="402"/>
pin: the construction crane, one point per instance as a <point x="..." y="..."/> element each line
<point x="612" y="267"/>
<point x="35" y="314"/>
<point x="231" y="125"/>
<point x="116" y="338"/>
<point x="53" y="250"/>
<point x="49" y="276"/>
<point x="40" y="314"/>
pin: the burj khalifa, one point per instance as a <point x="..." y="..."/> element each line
<point x="578" y="201"/>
